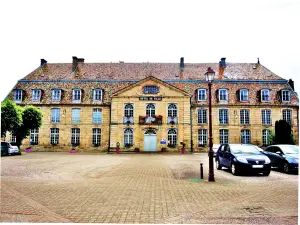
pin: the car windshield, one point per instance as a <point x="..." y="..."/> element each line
<point x="244" y="149"/>
<point x="291" y="149"/>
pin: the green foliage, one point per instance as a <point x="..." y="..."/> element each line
<point x="10" y="116"/>
<point x="271" y="138"/>
<point x="283" y="133"/>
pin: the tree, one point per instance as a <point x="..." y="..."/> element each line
<point x="283" y="133"/>
<point x="26" y="118"/>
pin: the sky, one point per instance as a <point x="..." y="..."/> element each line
<point x="148" y="31"/>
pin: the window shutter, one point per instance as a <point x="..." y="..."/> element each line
<point x="196" y="95"/>
<point x="24" y="95"/>
<point x="42" y="94"/>
<point x="61" y="94"/>
<point x="259" y="96"/>
<point x="91" y="93"/>
<point x="238" y="96"/>
<point x="217" y="95"/>
<point x="278" y="95"/>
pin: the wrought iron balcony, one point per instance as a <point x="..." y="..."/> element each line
<point x="172" y="120"/>
<point x="155" y="120"/>
<point x="128" y="120"/>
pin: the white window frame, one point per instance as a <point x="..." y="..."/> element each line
<point x="54" y="136"/>
<point x="226" y="95"/>
<point x="243" y="93"/>
<point x="198" y="94"/>
<point x="152" y="89"/>
<point x="284" y="96"/>
<point x="150" y="110"/>
<point x="55" y="115"/>
<point x="34" y="136"/>
<point x="96" y="136"/>
<point x="96" y="93"/>
<point x="202" y="137"/>
<point x="245" y="116"/>
<point x="172" y="137"/>
<point x="128" y="136"/>
<point x="287" y="115"/>
<point x="202" y="116"/>
<point x="13" y="138"/>
<point x="128" y="110"/>
<point x="97" y="115"/>
<point x="172" y="110"/>
<point x="36" y="94"/>
<point x="56" y="95"/>
<point x="75" y="118"/>
<point x="76" y="93"/>
<point x="265" y="119"/>
<point x="263" y="95"/>
<point x="265" y="136"/>
<point x="75" y="136"/>
<point x="18" y="95"/>
<point x="223" y="117"/>
<point x="245" y="136"/>
<point x="224" y="136"/>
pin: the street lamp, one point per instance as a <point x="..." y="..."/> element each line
<point x="210" y="73"/>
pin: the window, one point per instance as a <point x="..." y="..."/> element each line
<point x="245" y="137"/>
<point x="202" y="116"/>
<point x="97" y="94"/>
<point x="34" y="136"/>
<point x="151" y="89"/>
<point x="287" y="115"/>
<point x="223" y="95"/>
<point x="244" y="95"/>
<point x="223" y="116"/>
<point x="150" y="110"/>
<point x="96" y="139"/>
<point x="245" y="116"/>
<point x="76" y="95"/>
<point x="55" y="115"/>
<point x="75" y="115"/>
<point x="285" y="95"/>
<point x="201" y="94"/>
<point x="75" y="136"/>
<point x="265" y="137"/>
<point x="202" y="137"/>
<point x="56" y="95"/>
<point x="36" y="95"/>
<point x="54" y="136"/>
<point x="265" y="95"/>
<point x="18" y="95"/>
<point x="172" y="110"/>
<point x="97" y="116"/>
<point x="266" y="117"/>
<point x="128" y="110"/>
<point x="224" y="136"/>
<point x="128" y="137"/>
<point x="13" y="138"/>
<point x="172" y="137"/>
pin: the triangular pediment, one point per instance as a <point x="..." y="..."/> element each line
<point x="137" y="89"/>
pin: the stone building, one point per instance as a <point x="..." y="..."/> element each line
<point x="153" y="106"/>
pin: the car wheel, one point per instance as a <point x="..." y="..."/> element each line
<point x="266" y="173"/>
<point x="233" y="169"/>
<point x="286" y="168"/>
<point x="218" y="165"/>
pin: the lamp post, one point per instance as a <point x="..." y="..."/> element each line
<point x="210" y="73"/>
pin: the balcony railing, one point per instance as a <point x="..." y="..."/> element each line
<point x="155" y="120"/>
<point x="172" y="120"/>
<point x="128" y="119"/>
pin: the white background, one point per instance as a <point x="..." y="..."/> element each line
<point x="148" y="31"/>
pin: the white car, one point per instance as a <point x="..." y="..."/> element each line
<point x="14" y="150"/>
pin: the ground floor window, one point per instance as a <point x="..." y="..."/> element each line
<point x="75" y="136"/>
<point x="34" y="136"/>
<point x="245" y="137"/>
<point x="202" y="137"/>
<point x="172" y="137"/>
<point x="224" y="136"/>
<point x="128" y="137"/>
<point x="266" y="137"/>
<point x="96" y="137"/>
<point x="54" y="136"/>
<point x="13" y="138"/>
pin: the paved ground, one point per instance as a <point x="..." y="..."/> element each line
<point x="139" y="188"/>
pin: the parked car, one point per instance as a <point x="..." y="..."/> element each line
<point x="242" y="158"/>
<point x="14" y="150"/>
<point x="5" y="148"/>
<point x="284" y="157"/>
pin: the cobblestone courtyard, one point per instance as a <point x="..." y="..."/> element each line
<point x="139" y="188"/>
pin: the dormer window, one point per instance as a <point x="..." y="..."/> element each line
<point x="244" y="95"/>
<point x="36" y="95"/>
<point x="56" y="95"/>
<point x="265" y="95"/>
<point x="97" y="96"/>
<point x="285" y="96"/>
<point x="151" y="90"/>
<point x="223" y="95"/>
<point x="18" y="95"/>
<point x="76" y="96"/>
<point x="201" y="94"/>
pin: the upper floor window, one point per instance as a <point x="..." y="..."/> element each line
<point x="244" y="116"/>
<point x="223" y="116"/>
<point x="172" y="110"/>
<point x="56" y="95"/>
<point x="150" y="110"/>
<point x="201" y="94"/>
<point x="285" y="96"/>
<point x="75" y="115"/>
<point x="97" y="115"/>
<point x="97" y="94"/>
<point x="128" y="110"/>
<point x="55" y="115"/>
<point x="202" y="116"/>
<point x="266" y="117"/>
<point x="244" y="95"/>
<point x="76" y="95"/>
<point x="18" y="95"/>
<point x="151" y="89"/>
<point x="287" y="115"/>
<point x="36" y="95"/>
<point x="265" y="95"/>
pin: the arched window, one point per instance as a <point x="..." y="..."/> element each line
<point x="128" y="137"/>
<point x="265" y="137"/>
<point x="245" y="137"/>
<point x="172" y="137"/>
<point x="150" y="110"/>
<point x="172" y="110"/>
<point x="128" y="110"/>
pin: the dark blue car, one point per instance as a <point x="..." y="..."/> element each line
<point x="241" y="158"/>
<point x="284" y="157"/>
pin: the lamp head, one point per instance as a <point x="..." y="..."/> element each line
<point x="210" y="73"/>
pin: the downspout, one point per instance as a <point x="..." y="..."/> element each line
<point x="109" y="125"/>
<point x="191" y="124"/>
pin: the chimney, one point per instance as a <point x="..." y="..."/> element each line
<point x="222" y="66"/>
<point x="43" y="62"/>
<point x="291" y="83"/>
<point x="181" y="67"/>
<point x="258" y="61"/>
